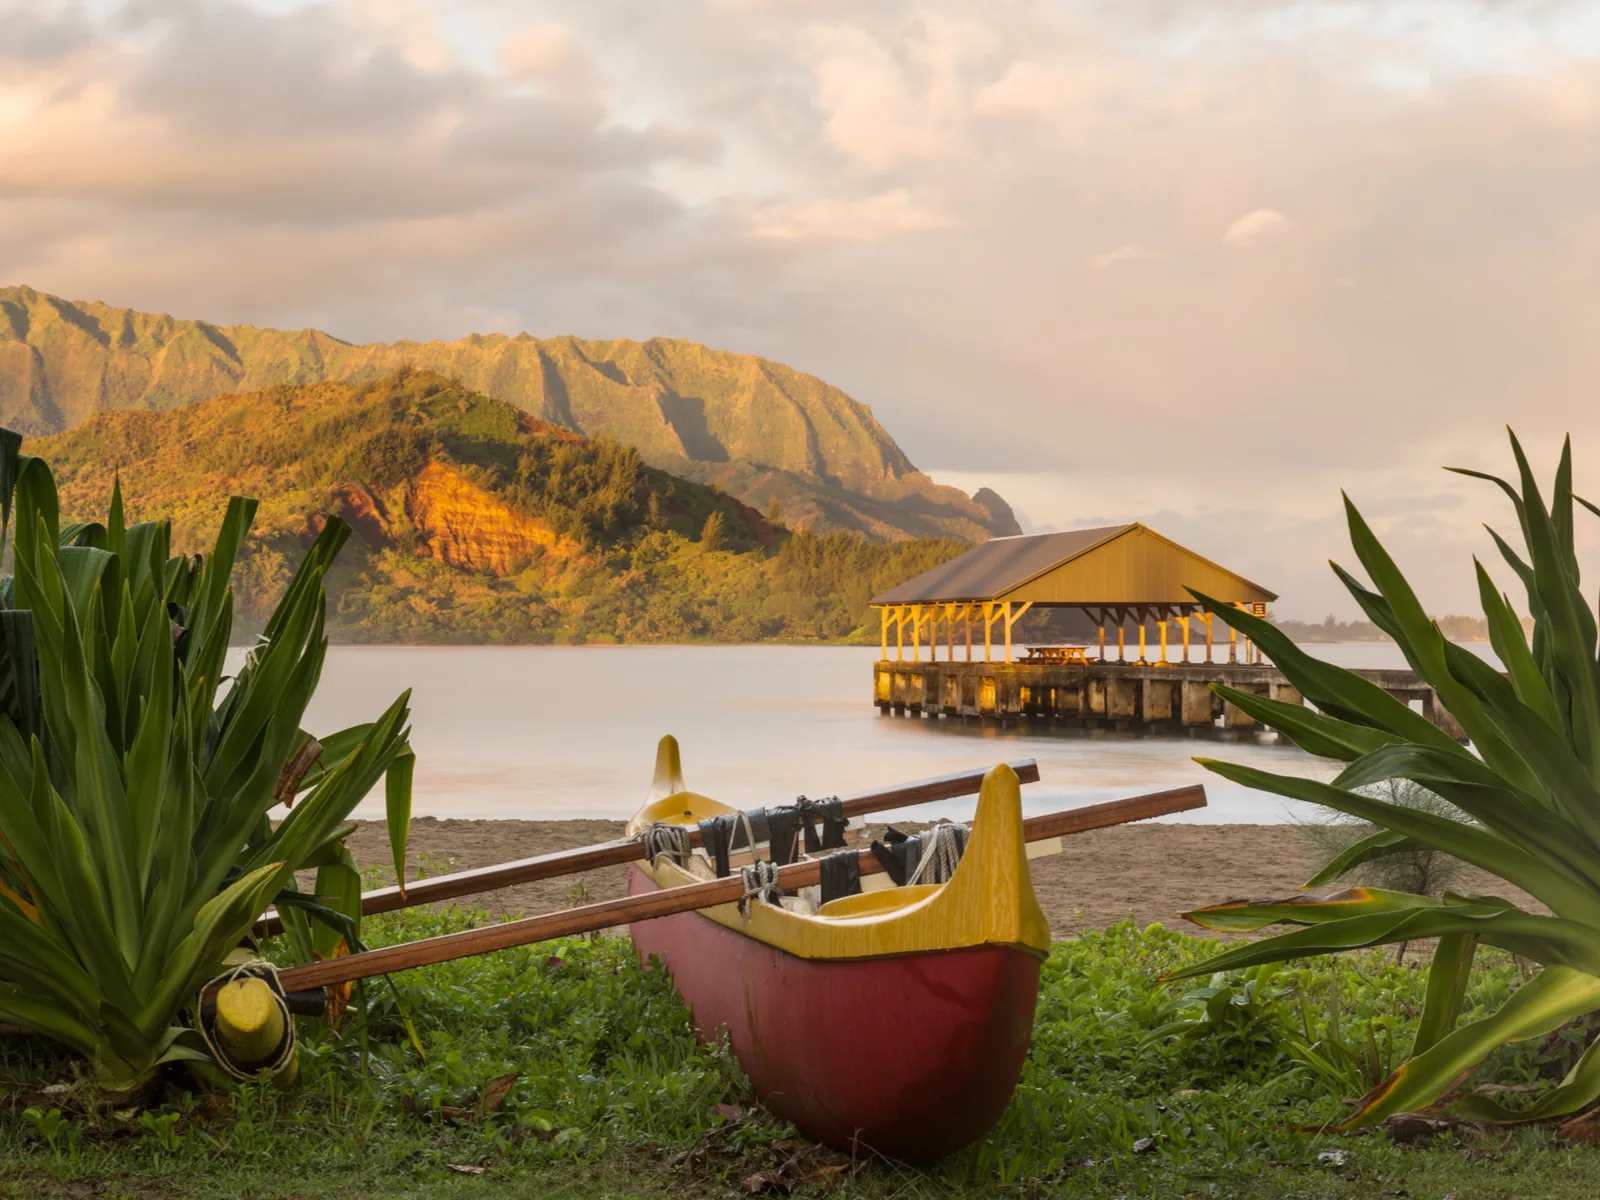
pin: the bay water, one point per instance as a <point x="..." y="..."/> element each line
<point x="552" y="732"/>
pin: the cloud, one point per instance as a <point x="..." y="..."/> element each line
<point x="1127" y="252"/>
<point x="871" y="218"/>
<point x="940" y="206"/>
<point x="1255" y="226"/>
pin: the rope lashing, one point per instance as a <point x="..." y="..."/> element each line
<point x="284" y="1054"/>
<point x="663" y="839"/>
<point x="841" y="875"/>
<point x="942" y="847"/>
<point x="760" y="883"/>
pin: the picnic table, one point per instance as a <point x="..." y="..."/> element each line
<point x="1058" y="655"/>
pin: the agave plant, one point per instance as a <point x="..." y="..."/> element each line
<point x="135" y="845"/>
<point x="1528" y="790"/>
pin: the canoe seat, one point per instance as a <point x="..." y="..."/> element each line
<point x="884" y="900"/>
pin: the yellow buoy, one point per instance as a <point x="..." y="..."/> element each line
<point x="251" y="1025"/>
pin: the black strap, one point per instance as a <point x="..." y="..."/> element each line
<point x="841" y="875"/>
<point x="716" y="835"/>
<point x="803" y="809"/>
<point x="834" y="822"/>
<point x="783" y="826"/>
<point x="899" y="855"/>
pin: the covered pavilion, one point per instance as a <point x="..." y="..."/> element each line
<point x="1115" y="574"/>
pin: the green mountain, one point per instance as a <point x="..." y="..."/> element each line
<point x="473" y="521"/>
<point x="759" y="430"/>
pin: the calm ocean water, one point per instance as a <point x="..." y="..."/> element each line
<point x="553" y="731"/>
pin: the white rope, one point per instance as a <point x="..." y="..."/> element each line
<point x="663" y="839"/>
<point x="258" y="968"/>
<point x="941" y="851"/>
<point x="760" y="883"/>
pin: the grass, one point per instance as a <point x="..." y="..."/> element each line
<point x="1133" y="1088"/>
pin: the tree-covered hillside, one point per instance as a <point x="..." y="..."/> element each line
<point x="474" y="522"/>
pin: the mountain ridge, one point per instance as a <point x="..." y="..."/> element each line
<point x="760" y="430"/>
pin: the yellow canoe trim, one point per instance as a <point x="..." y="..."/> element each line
<point x="989" y="900"/>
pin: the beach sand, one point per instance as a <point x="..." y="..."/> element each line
<point x="1148" y="872"/>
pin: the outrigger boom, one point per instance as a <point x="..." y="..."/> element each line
<point x="626" y="850"/>
<point x="688" y="898"/>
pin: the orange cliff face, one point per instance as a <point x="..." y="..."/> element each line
<point x="456" y="522"/>
<point x="465" y="526"/>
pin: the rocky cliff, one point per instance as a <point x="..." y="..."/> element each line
<point x="759" y="430"/>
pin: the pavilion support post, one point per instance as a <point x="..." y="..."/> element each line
<point x="884" y="613"/>
<point x="969" y="632"/>
<point x="1183" y="622"/>
<point x="1102" y="637"/>
<point x="900" y="632"/>
<point x="988" y="625"/>
<point x="916" y="633"/>
<point x="1012" y="619"/>
<point x="950" y="633"/>
<point x="1122" y="639"/>
<point x="1233" y="644"/>
<point x="1162" y="624"/>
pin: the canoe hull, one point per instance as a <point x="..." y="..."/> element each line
<point x="911" y="1056"/>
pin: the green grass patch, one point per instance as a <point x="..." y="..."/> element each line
<point x="1133" y="1088"/>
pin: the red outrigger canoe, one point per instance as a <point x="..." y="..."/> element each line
<point x="895" y="1021"/>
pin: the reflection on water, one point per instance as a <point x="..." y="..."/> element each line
<point x="557" y="731"/>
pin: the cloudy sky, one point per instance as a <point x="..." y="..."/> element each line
<point x="1197" y="264"/>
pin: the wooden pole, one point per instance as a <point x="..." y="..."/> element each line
<point x="1162" y="625"/>
<point x="1102" y="637"/>
<point x="628" y="909"/>
<point x="884" y="613"/>
<point x="899" y="633"/>
<point x="969" y="632"/>
<point x="988" y="624"/>
<point x="950" y="633"/>
<point x="626" y="850"/>
<point x="1207" y="620"/>
<point x="1184" y="622"/>
<point x="1008" y="631"/>
<point x="916" y="633"/>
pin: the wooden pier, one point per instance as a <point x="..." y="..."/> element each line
<point x="1108" y="695"/>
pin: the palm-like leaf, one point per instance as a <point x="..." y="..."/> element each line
<point x="1529" y="789"/>
<point x="135" y="849"/>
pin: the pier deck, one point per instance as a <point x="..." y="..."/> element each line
<point x="1113" y="694"/>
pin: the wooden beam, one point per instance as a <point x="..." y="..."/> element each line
<point x="884" y="613"/>
<point x="627" y="909"/>
<point x="626" y="850"/>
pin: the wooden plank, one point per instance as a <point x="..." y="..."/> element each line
<point x="626" y="850"/>
<point x="627" y="909"/>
